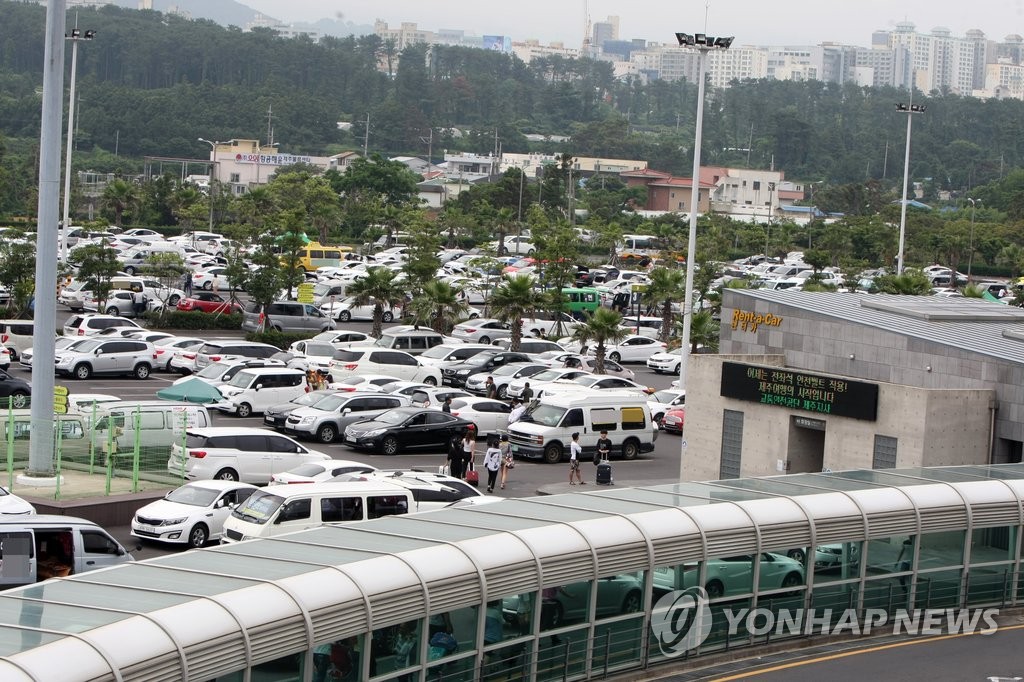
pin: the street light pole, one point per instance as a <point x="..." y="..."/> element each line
<point x="213" y="167"/>
<point x="970" y="252"/>
<point x="703" y="44"/>
<point x="75" y="36"/>
<point x="910" y="110"/>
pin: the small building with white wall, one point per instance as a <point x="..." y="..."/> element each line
<point x="810" y="381"/>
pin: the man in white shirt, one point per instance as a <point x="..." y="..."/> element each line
<point x="516" y="414"/>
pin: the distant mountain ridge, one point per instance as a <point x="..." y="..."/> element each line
<point x="232" y="13"/>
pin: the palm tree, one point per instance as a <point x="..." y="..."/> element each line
<point x="439" y="303"/>
<point x="379" y="288"/>
<point x="119" y="196"/>
<point x="704" y="332"/>
<point x="604" y="325"/>
<point x="665" y="288"/>
<point x="514" y="299"/>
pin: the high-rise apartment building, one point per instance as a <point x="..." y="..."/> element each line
<point x="604" y="31"/>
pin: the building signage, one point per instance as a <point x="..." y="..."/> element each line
<point x="272" y="159"/>
<point x="799" y="391"/>
<point x="749" y="321"/>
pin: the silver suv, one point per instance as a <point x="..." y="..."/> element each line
<point x="326" y="419"/>
<point x="107" y="356"/>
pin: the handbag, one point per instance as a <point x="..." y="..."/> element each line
<point x="510" y="462"/>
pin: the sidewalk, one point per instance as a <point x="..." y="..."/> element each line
<point x="563" y="488"/>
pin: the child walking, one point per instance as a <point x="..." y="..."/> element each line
<point x="492" y="462"/>
<point x="575" y="452"/>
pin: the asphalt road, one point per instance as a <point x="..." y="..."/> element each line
<point x="661" y="465"/>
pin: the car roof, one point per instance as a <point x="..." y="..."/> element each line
<point x="217" y="484"/>
<point x="232" y="430"/>
<point x="272" y="370"/>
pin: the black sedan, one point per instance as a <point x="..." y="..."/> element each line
<point x="406" y="428"/>
<point x="13" y="392"/>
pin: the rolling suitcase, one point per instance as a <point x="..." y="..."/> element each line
<point x="604" y="473"/>
<point x="472" y="477"/>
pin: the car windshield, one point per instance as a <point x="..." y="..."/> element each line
<point x="547" y="375"/>
<point x="258" y="509"/>
<point x="88" y="346"/>
<point x="331" y="402"/>
<point x="437" y="352"/>
<point x="387" y="341"/>
<point x="664" y="396"/>
<point x="311" y="398"/>
<point x="392" y="417"/>
<point x="480" y="359"/>
<point x="586" y="380"/>
<point x="548" y="415"/>
<point x="194" y="495"/>
<point x="506" y="370"/>
<point x="213" y="371"/>
<point x="242" y="379"/>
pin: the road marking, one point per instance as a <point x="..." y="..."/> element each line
<point x="846" y="654"/>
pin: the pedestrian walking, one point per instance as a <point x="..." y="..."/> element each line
<point x="492" y="462"/>
<point x="455" y="464"/>
<point x="507" y="460"/>
<point x="491" y="388"/>
<point x="468" y="452"/>
<point x="447" y="405"/>
<point x="517" y="411"/>
<point x="575" y="452"/>
<point x="527" y="393"/>
<point x="139" y="302"/>
<point x="188" y="283"/>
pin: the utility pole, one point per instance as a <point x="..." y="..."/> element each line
<point x="366" y="137"/>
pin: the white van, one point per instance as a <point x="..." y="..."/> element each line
<point x="16" y="335"/>
<point x="35" y="548"/>
<point x="285" y="509"/>
<point x="546" y="428"/>
<point x="255" y="389"/>
<point x="162" y="423"/>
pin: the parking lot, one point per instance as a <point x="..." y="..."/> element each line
<point x="524" y="480"/>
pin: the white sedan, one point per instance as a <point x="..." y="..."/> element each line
<point x="211" y="279"/>
<point x="318" y="472"/>
<point x="346" y="310"/>
<point x="517" y="386"/>
<point x="592" y="382"/>
<point x="193" y="514"/>
<point x="665" y="362"/>
<point x="364" y="382"/>
<point x="344" y="338"/>
<point x="167" y="348"/>
<point x="12" y="505"/>
<point x="490" y="416"/>
<point x="633" y="348"/>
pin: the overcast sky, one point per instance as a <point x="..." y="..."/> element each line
<point x="753" y="22"/>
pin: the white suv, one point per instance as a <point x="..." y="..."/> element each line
<point x="372" y="360"/>
<point x="237" y="454"/>
<point x="107" y="356"/>
<point x="90" y="325"/>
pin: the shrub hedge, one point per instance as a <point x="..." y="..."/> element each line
<point x="280" y="339"/>
<point x="194" y="319"/>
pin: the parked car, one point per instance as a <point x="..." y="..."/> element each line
<point x="405" y="428"/>
<point x="311" y="355"/>
<point x="321" y="472"/>
<point x="455" y="374"/>
<point x="167" y="347"/>
<point x="364" y="382"/>
<point x="237" y="454"/>
<point x="254" y="389"/>
<point x="665" y="362"/>
<point x="347" y="310"/>
<point x="286" y="316"/>
<point x="209" y="302"/>
<point x="109" y="357"/>
<point x="344" y="338"/>
<point x="490" y="416"/>
<point x="674" y="420"/>
<point x="326" y="419"/>
<point x="216" y="350"/>
<point x="371" y="360"/>
<point x="14" y="392"/>
<point x="451" y="352"/>
<point x="731" y="575"/>
<point x="477" y="383"/>
<point x="483" y="330"/>
<point x="633" y="348"/>
<point x="276" y="415"/>
<point x="592" y="382"/>
<point x="211" y="279"/>
<point x="192" y="514"/>
<point x="588" y="363"/>
<point x="517" y="386"/>
<point x="664" y="400"/>
<point x="88" y="324"/>
<point x="220" y="373"/>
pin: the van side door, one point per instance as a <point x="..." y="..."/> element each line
<point x="17" y="558"/>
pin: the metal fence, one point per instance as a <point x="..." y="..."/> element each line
<point x="98" y="452"/>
